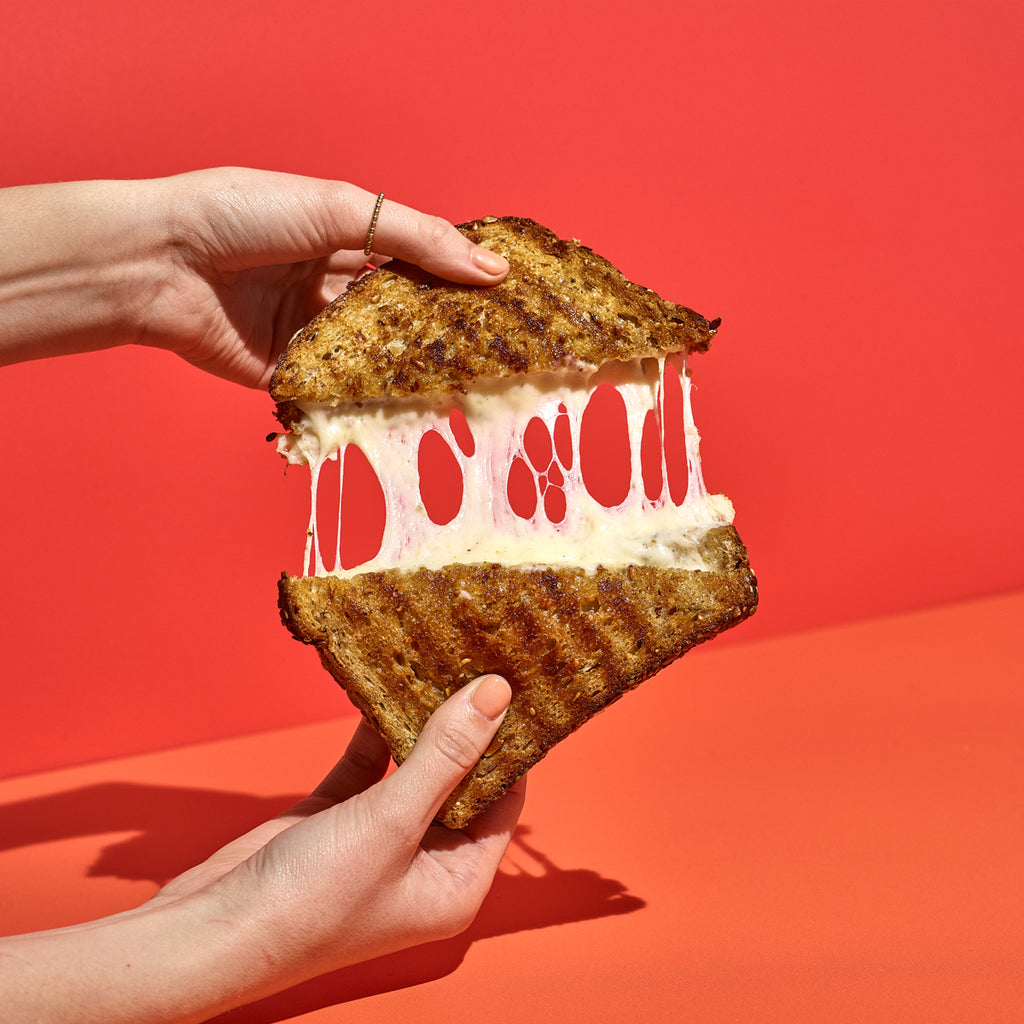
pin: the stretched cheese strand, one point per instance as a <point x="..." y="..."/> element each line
<point x="639" y="530"/>
<point x="695" y="489"/>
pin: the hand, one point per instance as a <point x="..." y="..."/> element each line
<point x="260" y="254"/>
<point x="221" y="266"/>
<point x="355" y="871"/>
<point x="358" y="869"/>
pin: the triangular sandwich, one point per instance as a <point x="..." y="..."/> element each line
<point x="573" y="598"/>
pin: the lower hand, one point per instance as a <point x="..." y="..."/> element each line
<point x="356" y="870"/>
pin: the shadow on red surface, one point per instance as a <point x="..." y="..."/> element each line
<point x="180" y="826"/>
<point x="177" y="826"/>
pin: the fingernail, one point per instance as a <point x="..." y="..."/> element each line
<point x="487" y="261"/>
<point x="491" y="697"/>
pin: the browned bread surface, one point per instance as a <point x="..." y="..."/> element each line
<point x="400" y="331"/>
<point x="569" y="641"/>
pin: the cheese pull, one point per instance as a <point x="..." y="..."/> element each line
<point x="517" y="445"/>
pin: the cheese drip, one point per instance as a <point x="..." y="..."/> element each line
<point x="637" y="531"/>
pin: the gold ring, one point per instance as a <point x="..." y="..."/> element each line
<point x="368" y="248"/>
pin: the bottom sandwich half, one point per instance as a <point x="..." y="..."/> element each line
<point x="570" y="641"/>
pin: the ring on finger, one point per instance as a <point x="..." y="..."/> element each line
<point x="368" y="247"/>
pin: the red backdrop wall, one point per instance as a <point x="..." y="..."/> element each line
<point x="839" y="182"/>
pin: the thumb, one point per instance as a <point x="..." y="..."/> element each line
<point x="453" y="740"/>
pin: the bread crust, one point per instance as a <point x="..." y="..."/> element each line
<point x="400" y="331"/>
<point x="570" y="642"/>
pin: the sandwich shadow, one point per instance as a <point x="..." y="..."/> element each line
<point x="178" y="826"/>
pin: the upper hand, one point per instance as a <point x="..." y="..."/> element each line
<point x="256" y="254"/>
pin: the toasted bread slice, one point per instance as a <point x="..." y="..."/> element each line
<point x="400" y="331"/>
<point x="569" y="641"/>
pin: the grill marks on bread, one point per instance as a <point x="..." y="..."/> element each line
<point x="570" y="642"/>
<point x="401" y="331"/>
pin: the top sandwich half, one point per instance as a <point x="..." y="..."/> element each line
<point x="400" y="331"/>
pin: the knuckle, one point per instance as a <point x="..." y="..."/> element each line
<point x="434" y="233"/>
<point x="457" y="745"/>
<point x="358" y="761"/>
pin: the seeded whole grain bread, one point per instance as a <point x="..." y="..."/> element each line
<point x="569" y="641"/>
<point x="400" y="331"/>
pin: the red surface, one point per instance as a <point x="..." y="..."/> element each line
<point x="832" y="830"/>
<point x="840" y="182"/>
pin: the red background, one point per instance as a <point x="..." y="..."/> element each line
<point x="839" y="182"/>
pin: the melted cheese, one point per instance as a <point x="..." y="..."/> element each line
<point x="637" y="531"/>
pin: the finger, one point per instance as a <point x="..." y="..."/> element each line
<point x="494" y="825"/>
<point x="365" y="762"/>
<point x="435" y="245"/>
<point x="453" y="740"/>
<point x="483" y="842"/>
<point x="239" y="218"/>
<point x="346" y="214"/>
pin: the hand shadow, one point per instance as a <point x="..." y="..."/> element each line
<point x="179" y="826"/>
